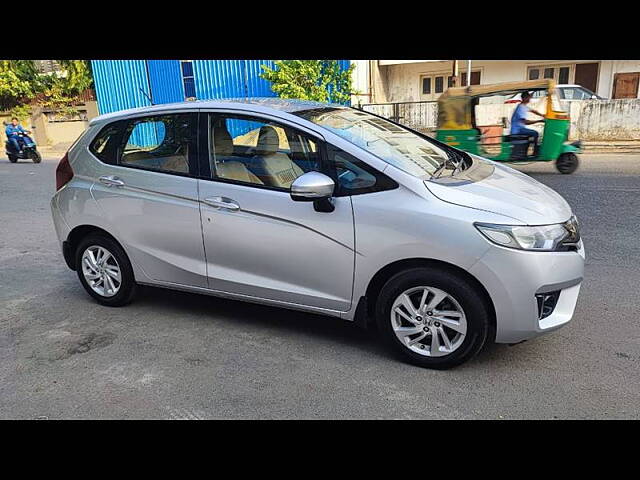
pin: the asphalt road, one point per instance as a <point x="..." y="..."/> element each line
<point x="178" y="355"/>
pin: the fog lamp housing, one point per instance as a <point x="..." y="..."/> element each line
<point x="547" y="303"/>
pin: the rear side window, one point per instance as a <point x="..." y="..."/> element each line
<point x="165" y="143"/>
<point x="105" y="145"/>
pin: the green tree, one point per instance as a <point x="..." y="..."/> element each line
<point x="21" y="85"/>
<point x="318" y="80"/>
<point x="77" y="77"/>
<point x="17" y="82"/>
<point x="61" y="90"/>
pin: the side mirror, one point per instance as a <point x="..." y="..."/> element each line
<point x="314" y="187"/>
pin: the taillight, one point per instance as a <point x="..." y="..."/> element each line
<point x="64" y="172"/>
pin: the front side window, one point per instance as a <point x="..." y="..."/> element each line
<point x="392" y="143"/>
<point x="164" y="143"/>
<point x="260" y="152"/>
<point x="355" y="176"/>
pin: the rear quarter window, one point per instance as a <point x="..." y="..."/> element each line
<point x="105" y="144"/>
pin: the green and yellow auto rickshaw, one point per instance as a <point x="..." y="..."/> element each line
<point x="459" y="124"/>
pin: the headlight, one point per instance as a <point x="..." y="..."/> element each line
<point x="560" y="236"/>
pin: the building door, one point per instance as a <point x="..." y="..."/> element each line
<point x="625" y="85"/>
<point x="587" y="75"/>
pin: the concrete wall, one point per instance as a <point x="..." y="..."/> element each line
<point x="607" y="120"/>
<point x="46" y="132"/>
<point x="65" y="132"/>
<point x="592" y="120"/>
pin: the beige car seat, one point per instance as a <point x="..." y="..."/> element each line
<point x="175" y="163"/>
<point x="230" y="169"/>
<point x="272" y="167"/>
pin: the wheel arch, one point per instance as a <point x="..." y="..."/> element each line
<point x="75" y="236"/>
<point x="385" y="273"/>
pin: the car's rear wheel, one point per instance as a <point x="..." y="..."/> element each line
<point x="567" y="163"/>
<point x="433" y="318"/>
<point x="105" y="271"/>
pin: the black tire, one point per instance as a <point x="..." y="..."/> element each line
<point x="472" y="302"/>
<point x="36" y="157"/>
<point x="567" y="163"/>
<point x="13" y="158"/>
<point x="128" y="285"/>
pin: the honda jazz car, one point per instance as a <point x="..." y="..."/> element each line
<point x="320" y="208"/>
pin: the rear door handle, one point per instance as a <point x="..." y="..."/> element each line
<point x="222" y="202"/>
<point x="111" y="181"/>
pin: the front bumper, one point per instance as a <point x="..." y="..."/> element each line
<point x="514" y="277"/>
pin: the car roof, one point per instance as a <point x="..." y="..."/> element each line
<point x="254" y="104"/>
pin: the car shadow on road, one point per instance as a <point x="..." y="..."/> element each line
<point x="263" y="318"/>
<point x="280" y="321"/>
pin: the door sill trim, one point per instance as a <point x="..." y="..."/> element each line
<point x="246" y="298"/>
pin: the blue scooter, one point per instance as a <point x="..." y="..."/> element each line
<point x="29" y="150"/>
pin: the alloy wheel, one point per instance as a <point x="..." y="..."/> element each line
<point x="428" y="321"/>
<point x="101" y="271"/>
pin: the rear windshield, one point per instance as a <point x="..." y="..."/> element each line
<point x="388" y="141"/>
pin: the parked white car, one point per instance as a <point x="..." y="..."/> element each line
<point x="321" y="208"/>
<point x="565" y="92"/>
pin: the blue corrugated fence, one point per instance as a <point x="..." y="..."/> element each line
<point x="119" y="82"/>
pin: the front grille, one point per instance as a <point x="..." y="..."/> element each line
<point x="547" y="303"/>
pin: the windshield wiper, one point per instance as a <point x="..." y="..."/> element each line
<point x="443" y="165"/>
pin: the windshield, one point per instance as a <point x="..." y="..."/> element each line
<point x="388" y="141"/>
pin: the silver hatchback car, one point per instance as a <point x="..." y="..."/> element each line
<point x="321" y="208"/>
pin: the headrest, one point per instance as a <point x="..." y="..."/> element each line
<point x="268" y="141"/>
<point x="222" y="142"/>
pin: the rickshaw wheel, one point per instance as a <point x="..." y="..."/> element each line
<point x="567" y="163"/>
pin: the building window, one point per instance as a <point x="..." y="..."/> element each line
<point x="187" y="79"/>
<point x="560" y="73"/>
<point x="475" y="78"/>
<point x="439" y="84"/>
<point x="434" y="84"/>
<point x="426" y="85"/>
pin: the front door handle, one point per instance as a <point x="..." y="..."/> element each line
<point x="111" y="181"/>
<point x="222" y="202"/>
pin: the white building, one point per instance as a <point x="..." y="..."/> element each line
<point x="382" y="81"/>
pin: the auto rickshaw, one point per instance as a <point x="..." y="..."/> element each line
<point x="457" y="126"/>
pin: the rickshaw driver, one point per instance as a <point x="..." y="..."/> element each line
<point x="519" y="120"/>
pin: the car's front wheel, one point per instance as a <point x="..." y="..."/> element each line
<point x="105" y="271"/>
<point x="433" y="318"/>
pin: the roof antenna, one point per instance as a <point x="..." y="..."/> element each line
<point x="148" y="97"/>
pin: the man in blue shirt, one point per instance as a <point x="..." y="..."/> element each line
<point x="519" y="120"/>
<point x="12" y="131"/>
